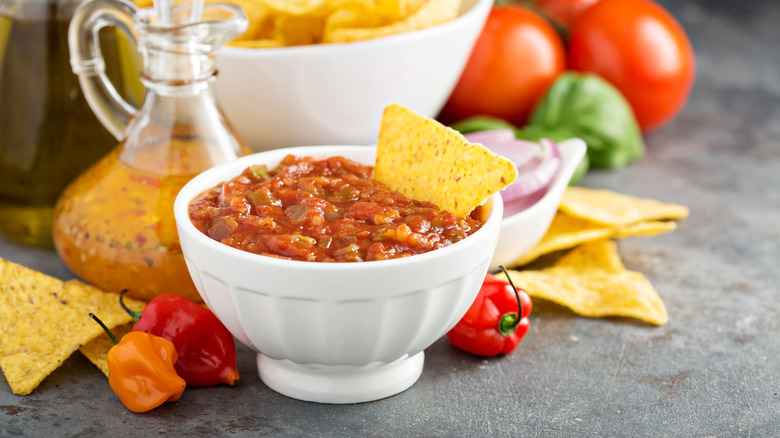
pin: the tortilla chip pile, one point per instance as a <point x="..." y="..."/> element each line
<point x="591" y="279"/>
<point x="427" y="161"/>
<point x="43" y="320"/>
<point x="279" y="23"/>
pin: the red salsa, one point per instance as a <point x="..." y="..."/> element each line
<point x="322" y="210"/>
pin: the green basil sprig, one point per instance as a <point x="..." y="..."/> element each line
<point x="585" y="106"/>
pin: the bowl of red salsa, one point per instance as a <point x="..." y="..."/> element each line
<point x="337" y="282"/>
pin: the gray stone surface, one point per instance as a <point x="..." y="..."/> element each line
<point x="711" y="371"/>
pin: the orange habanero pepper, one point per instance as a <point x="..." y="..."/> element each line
<point x="141" y="371"/>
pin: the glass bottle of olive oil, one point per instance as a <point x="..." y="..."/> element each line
<point x="48" y="133"/>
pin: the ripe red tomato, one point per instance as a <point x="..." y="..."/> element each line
<point x="563" y="12"/>
<point x="515" y="59"/>
<point x="642" y="50"/>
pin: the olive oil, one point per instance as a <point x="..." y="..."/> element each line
<point x="48" y="133"/>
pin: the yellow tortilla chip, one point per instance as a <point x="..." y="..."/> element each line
<point x="352" y="18"/>
<point x="611" y="208"/>
<point x="44" y="320"/>
<point x="97" y="349"/>
<point x="368" y="13"/>
<point x="432" y="13"/>
<point x="589" y="280"/>
<point x="295" y="7"/>
<point x="259" y="20"/>
<point x="393" y="9"/>
<point x="298" y="30"/>
<point x="648" y="228"/>
<point x="566" y="232"/>
<point x="600" y="254"/>
<point x="427" y="161"/>
<point x="257" y="44"/>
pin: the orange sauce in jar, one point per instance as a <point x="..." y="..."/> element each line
<point x="114" y="225"/>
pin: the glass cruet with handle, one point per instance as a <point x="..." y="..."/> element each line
<point x="114" y="224"/>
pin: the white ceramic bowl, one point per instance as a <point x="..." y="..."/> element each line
<point x="335" y="93"/>
<point x="334" y="332"/>
<point x="520" y="232"/>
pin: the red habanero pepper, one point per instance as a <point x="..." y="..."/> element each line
<point x="207" y="351"/>
<point x="491" y="325"/>
<point x="141" y="370"/>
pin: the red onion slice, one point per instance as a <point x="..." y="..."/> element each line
<point x="490" y="136"/>
<point x="504" y="143"/>
<point x="537" y="164"/>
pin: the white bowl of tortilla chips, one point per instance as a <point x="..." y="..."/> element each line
<point x="334" y="92"/>
<point x="355" y="331"/>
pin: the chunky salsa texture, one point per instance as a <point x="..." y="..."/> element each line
<point x="327" y="210"/>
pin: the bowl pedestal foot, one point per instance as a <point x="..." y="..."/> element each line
<point x="339" y="384"/>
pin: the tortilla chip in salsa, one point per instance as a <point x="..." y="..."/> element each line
<point x="427" y="161"/>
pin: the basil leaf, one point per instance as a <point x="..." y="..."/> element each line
<point x="481" y="123"/>
<point x="588" y="107"/>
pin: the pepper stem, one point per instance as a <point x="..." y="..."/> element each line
<point x="509" y="321"/>
<point x="111" y="335"/>
<point x="135" y="314"/>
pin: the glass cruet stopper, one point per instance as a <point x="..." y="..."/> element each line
<point x="114" y="224"/>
